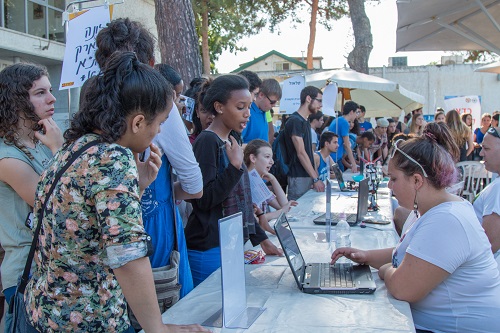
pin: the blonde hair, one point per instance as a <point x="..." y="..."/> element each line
<point x="458" y="129"/>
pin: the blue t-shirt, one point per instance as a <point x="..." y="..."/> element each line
<point x="365" y="126"/>
<point x="479" y="135"/>
<point x="343" y="130"/>
<point x="257" y="125"/>
<point x="323" y="168"/>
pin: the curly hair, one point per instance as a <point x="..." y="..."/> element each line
<point x="15" y="82"/>
<point x="124" y="35"/>
<point x="125" y="87"/>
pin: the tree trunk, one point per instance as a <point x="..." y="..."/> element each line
<point x="177" y="37"/>
<point x="205" y="50"/>
<point x="312" y="33"/>
<point x="363" y="40"/>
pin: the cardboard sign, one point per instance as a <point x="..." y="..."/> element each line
<point x="290" y="100"/>
<point x="79" y="58"/>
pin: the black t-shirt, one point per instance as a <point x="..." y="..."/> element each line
<point x="202" y="229"/>
<point x="296" y="125"/>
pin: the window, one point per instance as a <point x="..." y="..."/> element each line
<point x="42" y="18"/>
<point x="282" y="66"/>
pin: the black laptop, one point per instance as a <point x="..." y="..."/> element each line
<point x="351" y="218"/>
<point x="322" y="278"/>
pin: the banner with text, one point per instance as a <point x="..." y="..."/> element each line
<point x="465" y="104"/>
<point x="290" y="99"/>
<point x="79" y="58"/>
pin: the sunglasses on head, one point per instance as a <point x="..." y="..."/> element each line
<point x="395" y="147"/>
<point x="493" y="131"/>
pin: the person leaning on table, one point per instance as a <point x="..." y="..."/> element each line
<point x="443" y="265"/>
<point x="487" y="204"/>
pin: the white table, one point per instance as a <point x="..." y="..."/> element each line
<point x="272" y="286"/>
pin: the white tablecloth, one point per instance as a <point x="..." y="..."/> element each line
<point x="272" y="286"/>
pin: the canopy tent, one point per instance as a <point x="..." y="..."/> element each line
<point x="380" y="97"/>
<point x="448" y="25"/>
<point x="494" y="67"/>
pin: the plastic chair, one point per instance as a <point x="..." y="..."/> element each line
<point x="456" y="189"/>
<point x="475" y="178"/>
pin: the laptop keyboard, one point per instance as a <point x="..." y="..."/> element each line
<point x="336" y="276"/>
<point x="348" y="217"/>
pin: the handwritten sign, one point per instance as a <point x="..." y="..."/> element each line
<point x="290" y="100"/>
<point x="79" y="58"/>
<point x="465" y="104"/>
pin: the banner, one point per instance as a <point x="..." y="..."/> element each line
<point x="290" y="100"/>
<point x="465" y="104"/>
<point x="330" y="94"/>
<point x="79" y="58"/>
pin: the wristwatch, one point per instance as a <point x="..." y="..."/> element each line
<point x="315" y="180"/>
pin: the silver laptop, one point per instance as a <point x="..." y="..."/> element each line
<point x="340" y="178"/>
<point x="351" y="218"/>
<point x="322" y="278"/>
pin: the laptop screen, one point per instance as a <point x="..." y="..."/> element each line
<point x="338" y="175"/>
<point x="290" y="247"/>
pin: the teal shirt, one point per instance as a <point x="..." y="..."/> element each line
<point x="15" y="237"/>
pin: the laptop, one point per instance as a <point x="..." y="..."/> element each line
<point x="340" y="178"/>
<point x="351" y="218"/>
<point x="322" y="278"/>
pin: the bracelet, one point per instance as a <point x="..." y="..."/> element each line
<point x="259" y="215"/>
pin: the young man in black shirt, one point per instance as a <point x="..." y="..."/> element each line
<point x="302" y="174"/>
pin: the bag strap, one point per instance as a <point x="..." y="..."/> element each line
<point x="27" y="267"/>
<point x="176" y="245"/>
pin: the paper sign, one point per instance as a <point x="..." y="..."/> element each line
<point x="465" y="104"/>
<point x="79" y="58"/>
<point x="330" y="99"/>
<point x="260" y="192"/>
<point x="290" y="100"/>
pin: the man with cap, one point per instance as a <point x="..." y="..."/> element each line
<point x="379" y="146"/>
<point x="487" y="203"/>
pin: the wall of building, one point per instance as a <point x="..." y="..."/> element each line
<point x="269" y="64"/>
<point x="436" y="82"/>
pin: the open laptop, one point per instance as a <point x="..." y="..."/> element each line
<point x="340" y="178"/>
<point x="322" y="278"/>
<point x="351" y="218"/>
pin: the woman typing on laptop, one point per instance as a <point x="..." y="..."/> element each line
<point x="442" y="265"/>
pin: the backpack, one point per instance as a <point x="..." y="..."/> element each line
<point x="280" y="157"/>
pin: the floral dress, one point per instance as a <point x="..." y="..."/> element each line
<point x="91" y="226"/>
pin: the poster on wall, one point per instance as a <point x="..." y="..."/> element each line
<point x="465" y="104"/>
<point x="79" y="62"/>
<point x="290" y="99"/>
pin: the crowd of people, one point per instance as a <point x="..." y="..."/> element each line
<point x="130" y="157"/>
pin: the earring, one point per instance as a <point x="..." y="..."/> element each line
<point x="415" y="205"/>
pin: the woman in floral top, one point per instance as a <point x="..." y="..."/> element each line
<point x="92" y="249"/>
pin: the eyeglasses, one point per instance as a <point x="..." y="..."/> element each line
<point x="395" y="147"/>
<point x="317" y="99"/>
<point x="270" y="100"/>
<point x="493" y="131"/>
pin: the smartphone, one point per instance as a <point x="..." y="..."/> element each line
<point x="189" y="103"/>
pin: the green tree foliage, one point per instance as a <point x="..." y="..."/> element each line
<point x="479" y="56"/>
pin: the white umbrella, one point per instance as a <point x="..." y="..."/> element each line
<point x="380" y="97"/>
<point x="494" y="67"/>
<point x="448" y="25"/>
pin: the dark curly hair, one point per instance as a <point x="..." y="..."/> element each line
<point x="124" y="35"/>
<point x="220" y="90"/>
<point x="15" y="82"/>
<point x="125" y="87"/>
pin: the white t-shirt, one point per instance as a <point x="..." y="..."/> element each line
<point x="174" y="142"/>
<point x="488" y="201"/>
<point x="468" y="300"/>
<point x="314" y="138"/>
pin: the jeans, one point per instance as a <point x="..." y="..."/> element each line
<point x="203" y="263"/>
